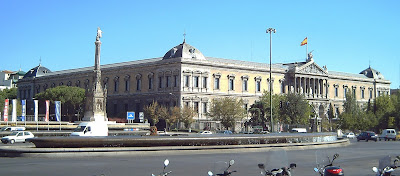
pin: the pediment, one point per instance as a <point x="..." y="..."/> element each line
<point x="311" y="68"/>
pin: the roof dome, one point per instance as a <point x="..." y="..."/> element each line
<point x="37" y="72"/>
<point x="184" y="50"/>
<point x="372" y="73"/>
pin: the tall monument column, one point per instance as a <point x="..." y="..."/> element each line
<point x="95" y="108"/>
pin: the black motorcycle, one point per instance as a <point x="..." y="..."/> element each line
<point x="325" y="165"/>
<point x="163" y="173"/>
<point x="385" y="167"/>
<point x="225" y="172"/>
<point x="277" y="164"/>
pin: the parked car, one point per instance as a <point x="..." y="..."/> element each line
<point x="367" y="135"/>
<point x="225" y="132"/>
<point x="206" y="132"/>
<point x="17" y="136"/>
<point x="349" y="135"/>
<point x="388" y="134"/>
<point x="7" y="128"/>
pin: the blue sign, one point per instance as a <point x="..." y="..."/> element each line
<point x="130" y="115"/>
<point x="58" y="110"/>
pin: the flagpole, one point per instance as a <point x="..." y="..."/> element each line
<point x="307" y="50"/>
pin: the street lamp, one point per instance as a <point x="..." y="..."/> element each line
<point x="270" y="30"/>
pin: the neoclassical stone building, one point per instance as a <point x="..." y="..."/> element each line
<point x="184" y="76"/>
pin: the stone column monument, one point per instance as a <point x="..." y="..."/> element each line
<point x="95" y="107"/>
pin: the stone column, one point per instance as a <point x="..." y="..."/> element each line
<point x="295" y="84"/>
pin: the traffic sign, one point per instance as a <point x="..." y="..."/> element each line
<point x="130" y="115"/>
<point x="141" y="116"/>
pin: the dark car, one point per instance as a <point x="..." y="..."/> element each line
<point x="367" y="135"/>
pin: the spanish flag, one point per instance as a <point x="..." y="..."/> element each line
<point x="304" y="42"/>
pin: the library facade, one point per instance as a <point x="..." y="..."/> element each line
<point x="184" y="76"/>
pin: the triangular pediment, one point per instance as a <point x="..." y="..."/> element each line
<point x="311" y="68"/>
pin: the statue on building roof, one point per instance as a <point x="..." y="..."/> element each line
<point x="310" y="56"/>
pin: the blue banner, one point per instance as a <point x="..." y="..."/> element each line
<point x="23" y="114"/>
<point x="58" y="110"/>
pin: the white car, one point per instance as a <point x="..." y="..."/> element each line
<point x="349" y="135"/>
<point x="17" y="136"/>
<point x="206" y="132"/>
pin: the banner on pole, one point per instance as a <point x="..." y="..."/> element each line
<point x="36" y="102"/>
<point x="14" y="110"/>
<point x="23" y="114"/>
<point x="58" y="110"/>
<point x="6" y="110"/>
<point x="46" y="118"/>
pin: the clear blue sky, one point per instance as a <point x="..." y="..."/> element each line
<point x="345" y="35"/>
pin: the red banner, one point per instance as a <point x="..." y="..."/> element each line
<point x="5" y="110"/>
<point x="47" y="110"/>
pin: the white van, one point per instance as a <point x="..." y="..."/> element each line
<point x="12" y="129"/>
<point x="91" y="129"/>
<point x="388" y="134"/>
<point x="299" y="130"/>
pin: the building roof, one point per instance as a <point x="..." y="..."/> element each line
<point x="372" y="73"/>
<point x="184" y="50"/>
<point x="37" y="72"/>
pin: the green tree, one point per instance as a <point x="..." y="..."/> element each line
<point x="384" y="109"/>
<point x="227" y="110"/>
<point x="187" y="114"/>
<point x="295" y="109"/>
<point x="71" y="98"/>
<point x="175" y="115"/>
<point x="260" y="110"/>
<point x="150" y="112"/>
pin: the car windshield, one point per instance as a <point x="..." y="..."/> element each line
<point x="14" y="133"/>
<point x="3" y="128"/>
<point x="80" y="129"/>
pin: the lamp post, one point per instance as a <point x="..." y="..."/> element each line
<point x="270" y="30"/>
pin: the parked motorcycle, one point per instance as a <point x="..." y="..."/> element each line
<point x="225" y="172"/>
<point x="163" y="173"/>
<point x="385" y="168"/>
<point x="277" y="164"/>
<point x="325" y="165"/>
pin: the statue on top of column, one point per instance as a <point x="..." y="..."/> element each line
<point x="98" y="34"/>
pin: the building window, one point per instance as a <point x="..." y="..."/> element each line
<point x="196" y="81"/>
<point x="336" y="91"/>
<point x="244" y="86"/>
<point x="167" y="81"/>
<point x="370" y="94"/>
<point x="282" y="87"/>
<point x="175" y="80"/>
<point x="336" y="112"/>
<point x="126" y="107"/>
<point x="204" y="104"/>
<point x="127" y="85"/>
<point x="354" y="92"/>
<point x="258" y="86"/>
<point x="204" y="82"/>
<point x="160" y="82"/>
<point x="138" y="84"/>
<point x="116" y="84"/>
<point x="196" y="107"/>
<point x="345" y="92"/>
<point x="362" y="93"/>
<point x="150" y="83"/>
<point x="216" y="83"/>
<point x="187" y="77"/>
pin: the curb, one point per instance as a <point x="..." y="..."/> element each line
<point x="11" y="151"/>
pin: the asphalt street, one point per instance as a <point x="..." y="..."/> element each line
<point x="356" y="159"/>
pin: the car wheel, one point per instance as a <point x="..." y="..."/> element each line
<point x="366" y="140"/>
<point x="380" y="139"/>
<point x="12" y="141"/>
<point x="358" y="140"/>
